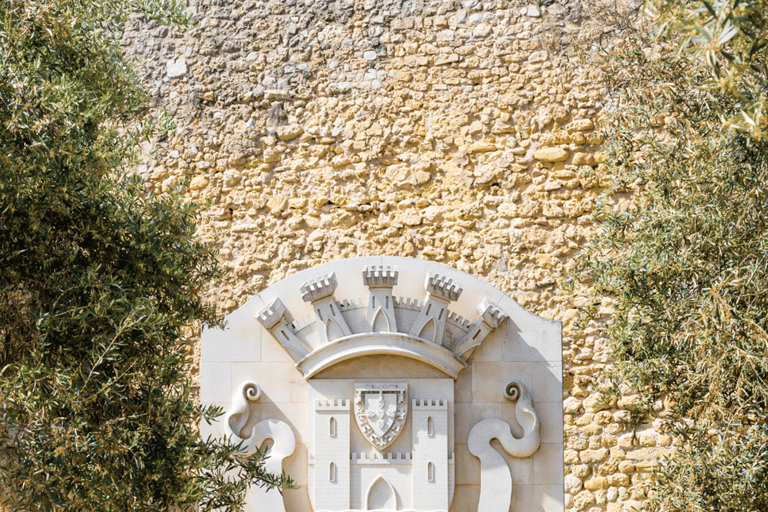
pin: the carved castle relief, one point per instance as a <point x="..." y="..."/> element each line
<point x="393" y="400"/>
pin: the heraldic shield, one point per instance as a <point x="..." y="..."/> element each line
<point x="380" y="411"/>
<point x="381" y="382"/>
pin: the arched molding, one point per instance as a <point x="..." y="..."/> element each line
<point x="435" y="328"/>
<point x="394" y="344"/>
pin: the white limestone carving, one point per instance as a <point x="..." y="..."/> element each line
<point x="343" y="480"/>
<point x="495" y="477"/>
<point x="331" y="446"/>
<point x="284" y="443"/>
<point x="490" y="318"/>
<point x="382" y="343"/>
<point x="434" y="335"/>
<point x="430" y="324"/>
<point x="380" y="411"/>
<point x="278" y="320"/>
<point x="331" y="325"/>
<point x="375" y="304"/>
<point x="380" y="316"/>
<point x="238" y="414"/>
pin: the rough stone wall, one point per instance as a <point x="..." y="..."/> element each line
<point x="441" y="130"/>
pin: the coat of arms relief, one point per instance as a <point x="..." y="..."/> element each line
<point x="380" y="411"/>
<point x="385" y="377"/>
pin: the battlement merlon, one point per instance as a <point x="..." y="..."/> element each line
<point x="491" y="317"/>
<point x="376" y="276"/>
<point x="443" y="287"/>
<point x="332" y="405"/>
<point x="275" y="311"/>
<point x="277" y="319"/>
<point x="421" y="404"/>
<point x="381" y="458"/>
<point x="491" y="314"/>
<point x="318" y="288"/>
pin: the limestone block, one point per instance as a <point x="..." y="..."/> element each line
<point x="277" y="203"/>
<point x="648" y="439"/>
<point x="596" y="483"/>
<point x="198" y="182"/>
<point x="618" y="454"/>
<point x="580" y="470"/>
<point x="572" y="405"/>
<point x="608" y="468"/>
<point x="289" y="132"/>
<point x="584" y="159"/>
<point x="591" y="456"/>
<point x="176" y="68"/>
<point x="627" y="441"/>
<point x="583" y="500"/>
<point x="571" y="457"/>
<point x="580" y="125"/>
<point x="577" y="443"/>
<point x="626" y="466"/>
<point x="618" y="480"/>
<point x="572" y="484"/>
<point x="551" y="154"/>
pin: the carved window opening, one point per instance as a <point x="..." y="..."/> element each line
<point x="429" y="306"/>
<point x="332" y="427"/>
<point x="430" y="472"/>
<point x="332" y="311"/>
<point x="430" y="427"/>
<point x="332" y="472"/>
<point x="319" y="315"/>
<point x="440" y="316"/>
<point x="386" y="302"/>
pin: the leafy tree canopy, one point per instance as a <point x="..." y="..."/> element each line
<point x="98" y="282"/>
<point x="687" y="266"/>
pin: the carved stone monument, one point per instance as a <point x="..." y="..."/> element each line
<point x="384" y="383"/>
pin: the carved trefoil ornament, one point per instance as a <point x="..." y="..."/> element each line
<point x="380" y="411"/>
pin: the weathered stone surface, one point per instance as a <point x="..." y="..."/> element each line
<point x="198" y="182"/>
<point x="289" y="132"/>
<point x="581" y="125"/>
<point x="277" y="203"/>
<point x="367" y="98"/>
<point x="551" y="154"/>
<point x="176" y="68"/>
<point x="596" y="483"/>
<point x="591" y="456"/>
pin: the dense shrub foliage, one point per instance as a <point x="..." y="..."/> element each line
<point x="688" y="265"/>
<point x="98" y="281"/>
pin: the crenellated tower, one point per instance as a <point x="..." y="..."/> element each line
<point x="432" y="461"/>
<point x="331" y="446"/>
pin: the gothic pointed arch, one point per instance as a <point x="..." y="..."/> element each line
<point x="381" y="495"/>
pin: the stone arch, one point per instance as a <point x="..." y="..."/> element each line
<point x="380" y="322"/>
<point x="381" y="495"/>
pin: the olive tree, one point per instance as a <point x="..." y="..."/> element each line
<point x="687" y="265"/>
<point x="99" y="281"/>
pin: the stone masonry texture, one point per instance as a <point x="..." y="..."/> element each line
<point x="451" y="131"/>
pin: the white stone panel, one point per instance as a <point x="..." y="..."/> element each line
<point x="523" y="348"/>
